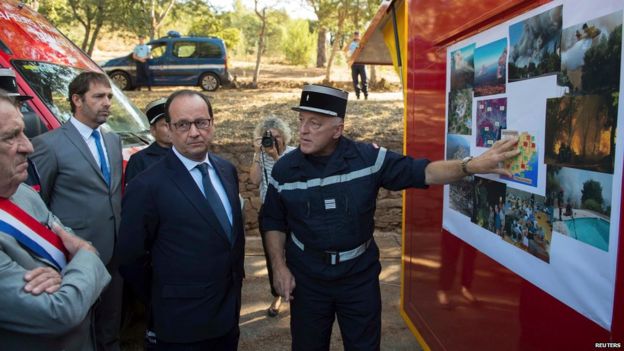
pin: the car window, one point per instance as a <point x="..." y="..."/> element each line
<point x="51" y="82"/>
<point x="208" y="50"/>
<point x="183" y="49"/>
<point x="158" y="49"/>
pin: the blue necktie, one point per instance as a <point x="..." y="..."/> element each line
<point x="100" y="150"/>
<point x="214" y="200"/>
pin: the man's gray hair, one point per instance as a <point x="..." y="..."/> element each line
<point x="4" y="96"/>
<point x="273" y="122"/>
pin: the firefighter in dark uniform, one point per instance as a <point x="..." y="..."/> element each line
<point x="155" y="112"/>
<point x="319" y="213"/>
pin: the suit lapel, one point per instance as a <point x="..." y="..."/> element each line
<point x="75" y="138"/>
<point x="181" y="177"/>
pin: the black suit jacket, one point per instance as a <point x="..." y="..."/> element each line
<point x="196" y="272"/>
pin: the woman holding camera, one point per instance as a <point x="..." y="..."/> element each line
<point x="271" y="138"/>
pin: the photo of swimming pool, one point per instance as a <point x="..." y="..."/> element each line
<point x="593" y="231"/>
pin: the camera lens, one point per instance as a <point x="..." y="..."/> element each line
<point x="267" y="139"/>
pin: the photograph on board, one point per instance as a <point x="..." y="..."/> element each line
<point x="527" y="223"/>
<point x="491" y="120"/>
<point x="580" y="204"/>
<point x="580" y="132"/>
<point x="489" y="200"/>
<point x="460" y="112"/>
<point x="534" y="46"/>
<point x="462" y="68"/>
<point x="490" y="63"/>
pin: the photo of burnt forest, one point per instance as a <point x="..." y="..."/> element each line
<point x="527" y="223"/>
<point x="462" y="67"/>
<point x="535" y="45"/>
<point x="491" y="120"/>
<point x="490" y="68"/>
<point x="489" y="200"/>
<point x="580" y="132"/>
<point x="590" y="56"/>
<point x="460" y="112"/>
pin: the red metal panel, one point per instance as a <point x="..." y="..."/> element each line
<point x="511" y="314"/>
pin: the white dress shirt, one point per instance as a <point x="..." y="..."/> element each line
<point x="87" y="134"/>
<point x="191" y="166"/>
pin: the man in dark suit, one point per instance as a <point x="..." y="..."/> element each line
<point x="80" y="171"/>
<point x="185" y="211"/>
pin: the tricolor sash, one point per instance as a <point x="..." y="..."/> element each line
<point x="32" y="234"/>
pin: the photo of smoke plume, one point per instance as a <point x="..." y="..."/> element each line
<point x="580" y="132"/>
<point x="491" y="68"/>
<point x="535" y="46"/>
<point x="489" y="199"/>
<point x="460" y="112"/>
<point x="462" y="67"/>
<point x="591" y="54"/>
<point x="491" y="119"/>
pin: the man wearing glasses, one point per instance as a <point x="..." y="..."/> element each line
<point x="185" y="212"/>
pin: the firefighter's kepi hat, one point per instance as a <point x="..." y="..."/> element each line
<point x="155" y="110"/>
<point x="324" y="100"/>
<point x="9" y="85"/>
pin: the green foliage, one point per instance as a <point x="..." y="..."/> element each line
<point x="299" y="48"/>
<point x="592" y="205"/>
<point x="601" y="71"/>
<point x="592" y="193"/>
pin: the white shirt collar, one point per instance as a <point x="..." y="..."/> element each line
<point x="188" y="163"/>
<point x="83" y="129"/>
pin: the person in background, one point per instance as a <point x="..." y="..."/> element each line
<point x="138" y="162"/>
<point x="140" y="55"/>
<point x="80" y="169"/>
<point x="271" y="138"/>
<point x="49" y="278"/>
<point x="358" y="71"/>
<point x="322" y="198"/>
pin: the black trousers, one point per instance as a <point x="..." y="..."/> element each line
<point x="227" y="342"/>
<point x="359" y="71"/>
<point x="355" y="300"/>
<point x="144" y="76"/>
<point x="107" y="323"/>
<point x="266" y="253"/>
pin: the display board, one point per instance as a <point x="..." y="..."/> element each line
<point x="550" y="77"/>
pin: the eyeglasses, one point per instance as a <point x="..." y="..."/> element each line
<point x="185" y="126"/>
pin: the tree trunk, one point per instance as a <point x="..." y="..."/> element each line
<point x="342" y="14"/>
<point x="263" y="18"/>
<point x="373" y="76"/>
<point x="321" y="48"/>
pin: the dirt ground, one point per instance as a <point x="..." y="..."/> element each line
<point x="237" y="111"/>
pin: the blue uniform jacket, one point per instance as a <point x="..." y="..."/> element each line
<point x="143" y="160"/>
<point x="333" y="208"/>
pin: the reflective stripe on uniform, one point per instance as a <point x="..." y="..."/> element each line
<point x="336" y="179"/>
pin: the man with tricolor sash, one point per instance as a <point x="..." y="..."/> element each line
<point x="49" y="278"/>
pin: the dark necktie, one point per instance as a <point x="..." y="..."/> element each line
<point x="214" y="200"/>
<point x="100" y="150"/>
